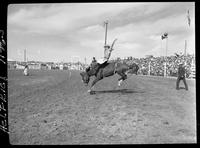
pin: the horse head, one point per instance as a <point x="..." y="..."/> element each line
<point x="85" y="78"/>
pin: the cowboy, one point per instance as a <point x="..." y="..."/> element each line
<point x="181" y="76"/>
<point x="96" y="65"/>
<point x="107" y="53"/>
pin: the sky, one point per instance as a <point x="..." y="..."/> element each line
<point x="64" y="32"/>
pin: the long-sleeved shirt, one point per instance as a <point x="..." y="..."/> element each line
<point x="107" y="53"/>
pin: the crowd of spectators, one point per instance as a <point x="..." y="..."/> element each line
<point x="155" y="66"/>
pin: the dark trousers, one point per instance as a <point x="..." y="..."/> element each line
<point x="178" y="81"/>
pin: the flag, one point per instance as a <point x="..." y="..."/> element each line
<point x="188" y="17"/>
<point x="165" y="35"/>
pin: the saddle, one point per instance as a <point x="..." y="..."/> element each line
<point x="96" y="67"/>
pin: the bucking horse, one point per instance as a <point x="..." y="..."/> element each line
<point x="108" y="69"/>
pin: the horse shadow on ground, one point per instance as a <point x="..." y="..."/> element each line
<point x="122" y="91"/>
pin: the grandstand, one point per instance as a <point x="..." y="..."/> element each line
<point x="155" y="66"/>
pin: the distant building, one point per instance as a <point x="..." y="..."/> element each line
<point x="49" y="66"/>
<point x="43" y="66"/>
<point x="54" y="66"/>
<point x="75" y="66"/>
<point x="34" y="66"/>
<point x="61" y="66"/>
<point x="11" y="64"/>
<point x="19" y="66"/>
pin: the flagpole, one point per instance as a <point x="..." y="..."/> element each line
<point x="165" y="36"/>
<point x="165" y="64"/>
<point x="166" y="46"/>
<point x="166" y="57"/>
<point x="185" y="51"/>
<point x="188" y="21"/>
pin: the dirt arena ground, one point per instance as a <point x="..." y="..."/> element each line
<point x="54" y="108"/>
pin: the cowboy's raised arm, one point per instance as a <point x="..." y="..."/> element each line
<point x="111" y="48"/>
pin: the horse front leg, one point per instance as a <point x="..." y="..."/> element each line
<point x="93" y="83"/>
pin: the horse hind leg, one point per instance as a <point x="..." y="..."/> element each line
<point x="119" y="82"/>
<point x="123" y="77"/>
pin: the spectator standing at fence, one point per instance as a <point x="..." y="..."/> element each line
<point x="181" y="76"/>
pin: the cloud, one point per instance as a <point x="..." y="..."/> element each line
<point x="60" y="17"/>
<point x="77" y="28"/>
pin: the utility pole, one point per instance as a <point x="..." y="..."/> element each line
<point x="106" y="24"/>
